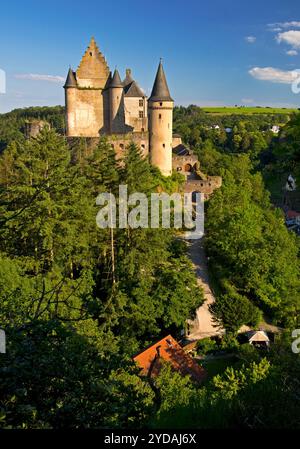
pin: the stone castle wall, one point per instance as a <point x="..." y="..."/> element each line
<point x="119" y="142"/>
<point x="185" y="164"/>
<point x="84" y="110"/>
<point x="133" y="110"/>
<point x="207" y="187"/>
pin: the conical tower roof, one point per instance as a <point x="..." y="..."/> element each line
<point x="160" y="91"/>
<point x="70" y="81"/>
<point x="116" y="80"/>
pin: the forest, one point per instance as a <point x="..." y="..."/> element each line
<point x="75" y="308"/>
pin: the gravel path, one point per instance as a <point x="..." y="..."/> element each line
<point x="203" y="326"/>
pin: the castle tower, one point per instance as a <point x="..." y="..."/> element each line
<point x="84" y="91"/>
<point x="160" y="113"/>
<point x="70" y="99"/>
<point x="116" y="104"/>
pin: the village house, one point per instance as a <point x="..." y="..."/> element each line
<point x="168" y="350"/>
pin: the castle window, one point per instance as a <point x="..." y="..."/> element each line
<point x="91" y="54"/>
<point x="141" y="103"/>
<point x="160" y="104"/>
<point x="159" y="116"/>
<point x="143" y="146"/>
<point x="141" y="114"/>
<point x="142" y="130"/>
<point x="164" y="145"/>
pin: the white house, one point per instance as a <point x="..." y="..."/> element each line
<point x="259" y="338"/>
<point x="275" y="129"/>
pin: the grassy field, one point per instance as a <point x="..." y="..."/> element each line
<point x="247" y="110"/>
<point x="218" y="365"/>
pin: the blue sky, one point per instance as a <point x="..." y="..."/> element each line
<point x="215" y="52"/>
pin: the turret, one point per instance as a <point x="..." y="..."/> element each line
<point x="70" y="96"/>
<point x="116" y="104"/>
<point x="160" y="112"/>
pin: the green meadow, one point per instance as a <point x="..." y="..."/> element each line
<point x="223" y="110"/>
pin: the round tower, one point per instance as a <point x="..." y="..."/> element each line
<point x="116" y="103"/>
<point x="160" y="113"/>
<point x="70" y="96"/>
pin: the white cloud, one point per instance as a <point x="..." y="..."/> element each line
<point x="291" y="37"/>
<point x="274" y="75"/>
<point x="275" y="29"/>
<point x="292" y="52"/>
<point x="250" y="39"/>
<point x="292" y="24"/>
<point x="280" y="26"/>
<point x="38" y="77"/>
<point x="247" y="100"/>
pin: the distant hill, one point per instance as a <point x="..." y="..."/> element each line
<point x="12" y="123"/>
<point x="241" y="110"/>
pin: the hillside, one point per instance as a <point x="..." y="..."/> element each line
<point x="245" y="110"/>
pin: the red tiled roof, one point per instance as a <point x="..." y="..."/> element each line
<point x="168" y="350"/>
<point x="292" y="214"/>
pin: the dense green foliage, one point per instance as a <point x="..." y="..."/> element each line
<point x="260" y="393"/>
<point x="75" y="304"/>
<point x="77" y="301"/>
<point x="252" y="253"/>
<point x="253" y="258"/>
<point x="249" y="134"/>
<point x="12" y="124"/>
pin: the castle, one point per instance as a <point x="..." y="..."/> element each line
<point x="99" y="103"/>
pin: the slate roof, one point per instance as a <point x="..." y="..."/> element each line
<point x="133" y="90"/>
<point x="116" y="80"/>
<point x="71" y="80"/>
<point x="160" y="91"/>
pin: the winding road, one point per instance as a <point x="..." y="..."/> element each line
<point x="203" y="326"/>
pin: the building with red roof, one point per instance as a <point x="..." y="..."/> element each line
<point x="168" y="350"/>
